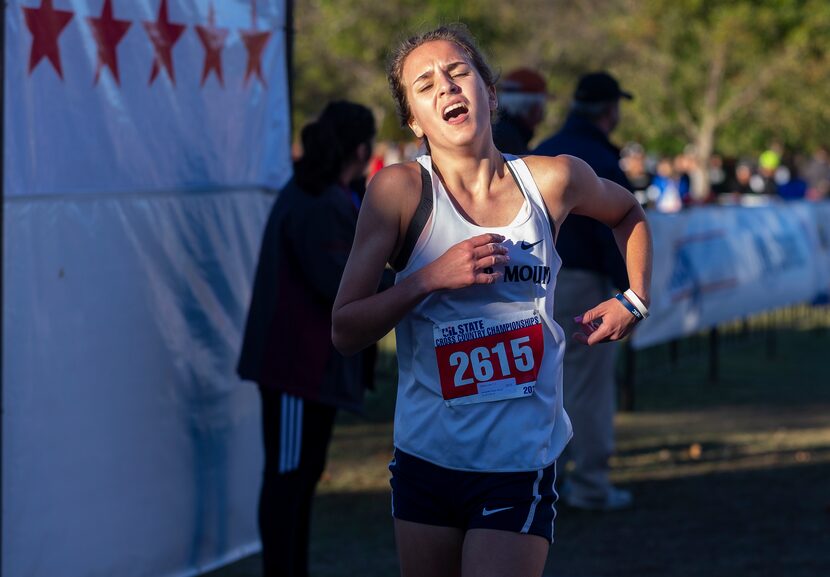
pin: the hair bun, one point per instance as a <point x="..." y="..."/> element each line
<point x="330" y="142"/>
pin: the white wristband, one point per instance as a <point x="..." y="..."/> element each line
<point x="632" y="297"/>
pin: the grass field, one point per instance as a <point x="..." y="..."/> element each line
<point x="730" y="478"/>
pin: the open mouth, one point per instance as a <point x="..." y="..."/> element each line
<point x="455" y="112"/>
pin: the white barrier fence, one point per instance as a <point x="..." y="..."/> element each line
<point x="717" y="264"/>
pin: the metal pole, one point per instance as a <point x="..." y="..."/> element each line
<point x="2" y="249"/>
<point x="714" y="359"/>
<point x="289" y="62"/>
<point x="771" y="342"/>
<point x="674" y="346"/>
<point x="627" y="385"/>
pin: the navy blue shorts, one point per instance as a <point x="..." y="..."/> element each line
<point x="423" y="492"/>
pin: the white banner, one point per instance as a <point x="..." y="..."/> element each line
<point x="819" y="216"/>
<point x="716" y="264"/>
<point x="138" y="95"/>
<point x="130" y="447"/>
<point x="138" y="137"/>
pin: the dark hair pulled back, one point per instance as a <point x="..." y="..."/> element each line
<point x="458" y="34"/>
<point x="330" y="142"/>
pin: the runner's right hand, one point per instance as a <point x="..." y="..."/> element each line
<point x="464" y="263"/>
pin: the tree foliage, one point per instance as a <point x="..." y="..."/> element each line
<point x="342" y="47"/>
<point x="734" y="69"/>
<point x="724" y="75"/>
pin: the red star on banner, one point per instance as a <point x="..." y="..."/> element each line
<point x="46" y="24"/>
<point x="108" y="32"/>
<point x="255" y="42"/>
<point x="163" y="34"/>
<point x="213" y="39"/>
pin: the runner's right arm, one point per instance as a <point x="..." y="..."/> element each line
<point x="361" y="315"/>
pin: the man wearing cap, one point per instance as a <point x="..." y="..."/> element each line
<point x="522" y="96"/>
<point x="592" y="269"/>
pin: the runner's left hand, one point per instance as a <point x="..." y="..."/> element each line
<point x="608" y="321"/>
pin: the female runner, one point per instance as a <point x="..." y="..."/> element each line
<point x="479" y="420"/>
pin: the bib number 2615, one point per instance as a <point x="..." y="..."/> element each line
<point x="483" y="360"/>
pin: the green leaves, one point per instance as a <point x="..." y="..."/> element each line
<point x="741" y="70"/>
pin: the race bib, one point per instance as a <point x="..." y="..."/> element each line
<point x="482" y="360"/>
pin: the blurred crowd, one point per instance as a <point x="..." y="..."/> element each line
<point x="670" y="183"/>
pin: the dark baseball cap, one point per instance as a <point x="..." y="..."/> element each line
<point x="599" y="87"/>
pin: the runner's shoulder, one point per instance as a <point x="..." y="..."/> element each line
<point x="397" y="187"/>
<point x="401" y="178"/>
<point x="551" y="173"/>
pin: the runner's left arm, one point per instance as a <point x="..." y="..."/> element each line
<point x="586" y="194"/>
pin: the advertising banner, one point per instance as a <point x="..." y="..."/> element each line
<point x="717" y="264"/>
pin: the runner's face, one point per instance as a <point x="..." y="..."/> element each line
<point x="448" y="100"/>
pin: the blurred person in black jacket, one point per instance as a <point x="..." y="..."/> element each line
<point x="592" y="268"/>
<point x="287" y="348"/>
<point x="522" y="99"/>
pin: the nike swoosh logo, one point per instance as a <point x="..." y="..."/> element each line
<point x="487" y="512"/>
<point x="527" y="246"/>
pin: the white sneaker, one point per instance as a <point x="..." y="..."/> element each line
<point x="615" y="500"/>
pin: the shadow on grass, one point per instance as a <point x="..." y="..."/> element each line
<point x="771" y="522"/>
<point x="353" y="535"/>
<point x="748" y="374"/>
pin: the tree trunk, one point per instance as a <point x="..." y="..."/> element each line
<point x="705" y="137"/>
<point x="704" y="143"/>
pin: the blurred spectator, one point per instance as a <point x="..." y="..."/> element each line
<point x="742" y="181"/>
<point x="685" y="165"/>
<point x="667" y="190"/>
<point x="591" y="267"/>
<point x="393" y="154"/>
<point x="717" y="175"/>
<point x="522" y="97"/>
<point x="411" y="150"/>
<point x="790" y="185"/>
<point x="287" y="349"/>
<point x="634" y="165"/>
<point x="769" y="159"/>
<point x="817" y="174"/>
<point x="768" y="163"/>
<point x="378" y="160"/>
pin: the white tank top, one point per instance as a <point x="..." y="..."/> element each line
<point x="480" y="368"/>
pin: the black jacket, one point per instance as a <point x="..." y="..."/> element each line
<point x="287" y="344"/>
<point x="510" y="135"/>
<point x="584" y="243"/>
